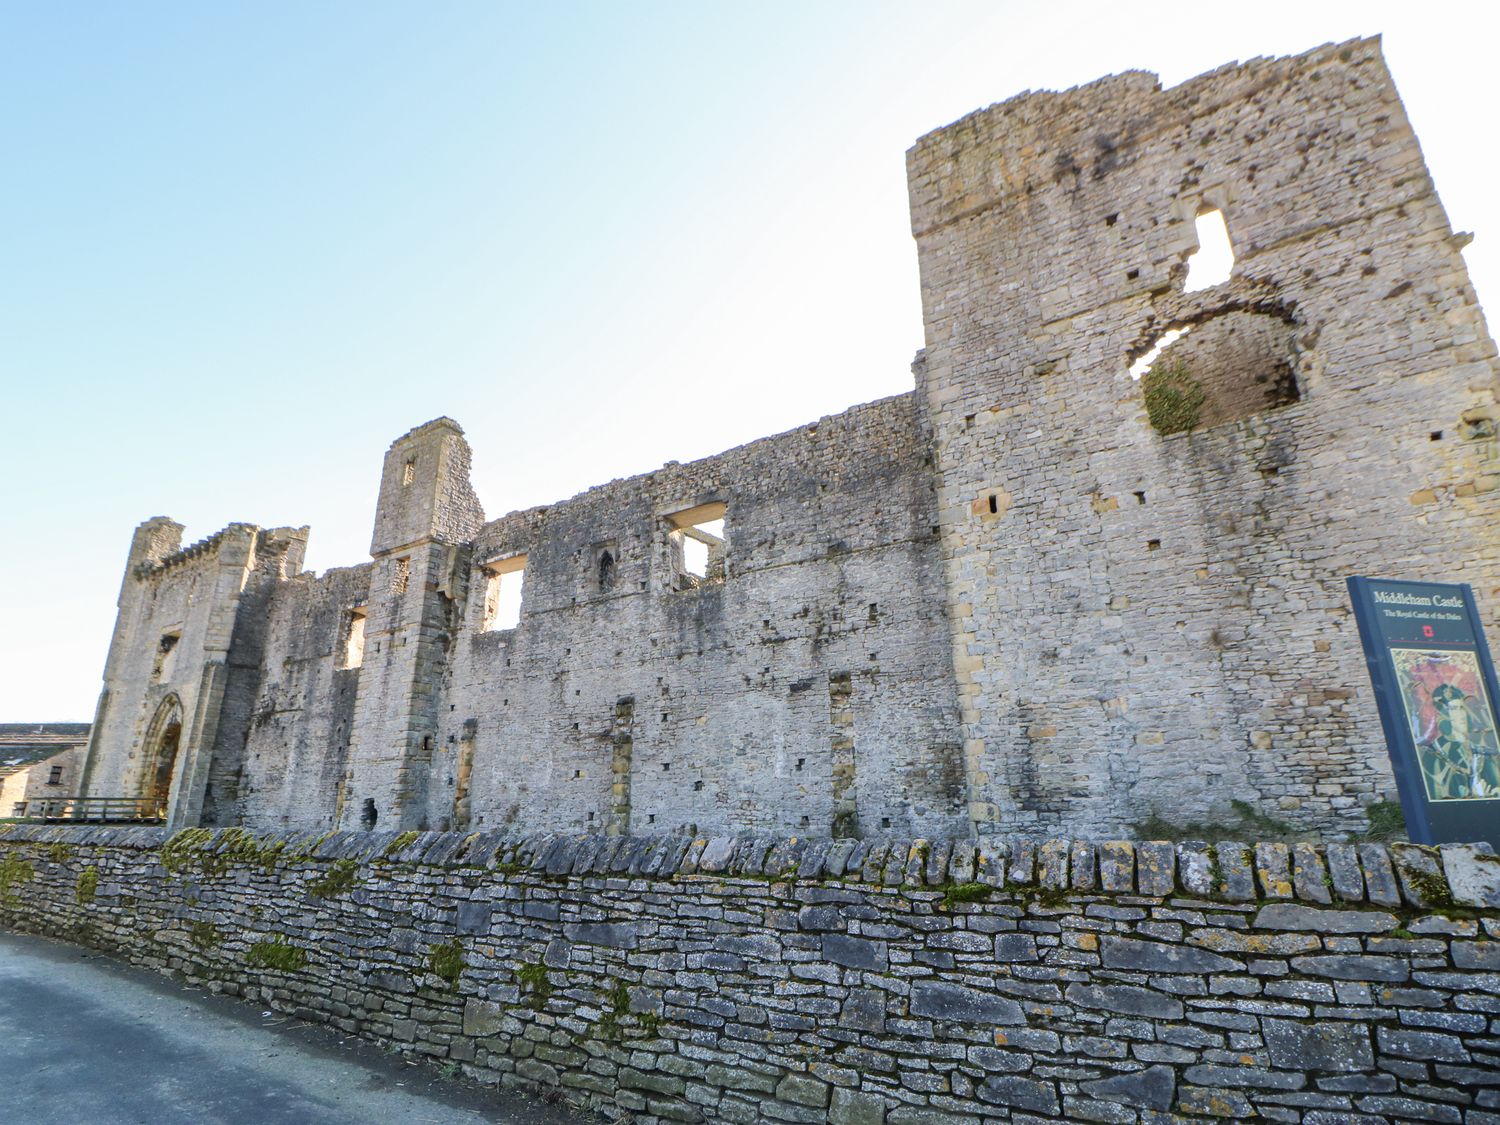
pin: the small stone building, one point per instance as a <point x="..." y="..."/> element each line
<point x="39" y="762"/>
<point x="1089" y="571"/>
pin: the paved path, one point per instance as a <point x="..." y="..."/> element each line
<point x="84" y="1039"/>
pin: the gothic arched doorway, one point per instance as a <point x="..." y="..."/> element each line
<point x="162" y="744"/>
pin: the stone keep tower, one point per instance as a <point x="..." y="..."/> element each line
<point x="180" y="675"/>
<point x="426" y="513"/>
<point x="1148" y="609"/>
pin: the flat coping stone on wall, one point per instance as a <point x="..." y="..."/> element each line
<point x="1394" y="876"/>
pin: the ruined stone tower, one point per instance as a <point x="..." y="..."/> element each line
<point x="425" y="514"/>
<point x="1148" y="621"/>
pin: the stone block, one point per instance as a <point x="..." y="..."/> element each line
<point x="855" y="952"/>
<point x="957" y="1003"/>
<point x="1152" y="1088"/>
<point x="1325" y="1046"/>
<point x="853" y="1107"/>
<point x="1020" y="1093"/>
<point x="803" y="1089"/>
<point x="1124" y="998"/>
<point x="1162" y="957"/>
<point x="1473" y="875"/>
<point x="1290" y="916"/>
<point x="1117" y="866"/>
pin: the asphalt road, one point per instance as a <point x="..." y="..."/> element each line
<point x="85" y="1039"/>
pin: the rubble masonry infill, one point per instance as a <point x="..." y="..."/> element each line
<point x="853" y="982"/>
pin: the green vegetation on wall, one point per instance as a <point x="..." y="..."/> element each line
<point x="1174" y="399"/>
<point x="337" y="880"/>
<point x="14" y="872"/>
<point x="88" y="883"/>
<point x="447" y="961"/>
<point x="276" y="954"/>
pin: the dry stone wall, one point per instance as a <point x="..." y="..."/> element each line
<point x="854" y="982"/>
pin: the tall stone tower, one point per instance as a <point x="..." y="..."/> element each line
<point x="1146" y="574"/>
<point x="426" y="512"/>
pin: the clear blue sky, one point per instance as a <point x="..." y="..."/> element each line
<point x="243" y="246"/>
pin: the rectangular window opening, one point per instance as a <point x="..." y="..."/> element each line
<point x="504" y="587"/>
<point x="354" y="638"/>
<point x="697" y="545"/>
<point x="54" y="775"/>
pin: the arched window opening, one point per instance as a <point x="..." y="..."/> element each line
<point x="606" y="571"/>
<point x="1233" y="364"/>
<point x="1213" y="261"/>
<point x="160" y="760"/>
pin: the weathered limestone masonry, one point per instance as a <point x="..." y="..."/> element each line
<point x="762" y="979"/>
<point x="183" y="663"/>
<point x="1147" y="620"/>
<point x="1033" y="595"/>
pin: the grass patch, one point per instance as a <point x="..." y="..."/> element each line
<point x="447" y="962"/>
<point x="14" y="872"/>
<point x="205" y="935"/>
<point x="1174" y="399"/>
<point x="1387" y="823"/>
<point x="1246" y="822"/>
<point x="276" y="954"/>
<point x="955" y="893"/>
<point x="337" y="880"/>
<point x="402" y="841"/>
<point x="532" y="977"/>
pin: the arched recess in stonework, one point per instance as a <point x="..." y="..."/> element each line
<point x="163" y="743"/>
<point x="1219" y="365"/>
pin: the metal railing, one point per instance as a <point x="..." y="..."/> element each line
<point x="93" y="810"/>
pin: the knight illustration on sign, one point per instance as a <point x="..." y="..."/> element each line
<point x="1457" y="747"/>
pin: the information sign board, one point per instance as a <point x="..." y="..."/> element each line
<point x="1435" y="687"/>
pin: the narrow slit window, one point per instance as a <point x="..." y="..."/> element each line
<point x="606" y="571"/>
<point x="354" y="639"/>
<point x="504" y="587"/>
<point x="1213" y="261"/>
<point x="697" y="545"/>
<point x="166" y="656"/>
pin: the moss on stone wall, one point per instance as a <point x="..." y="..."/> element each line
<point x="205" y="935"/>
<point x="13" y="872"/>
<point x="278" y="953"/>
<point x="1174" y="399"/>
<point x="337" y="880"/>
<point x="406" y="839"/>
<point x="88" y="884"/>
<point x="447" y="962"/>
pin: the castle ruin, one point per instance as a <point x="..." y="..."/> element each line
<point x="1090" y="570"/>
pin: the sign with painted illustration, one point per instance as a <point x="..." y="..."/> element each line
<point x="1435" y="688"/>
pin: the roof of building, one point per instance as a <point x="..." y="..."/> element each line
<point x="26" y="744"/>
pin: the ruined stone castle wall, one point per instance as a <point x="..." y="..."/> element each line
<point x="297" y="733"/>
<point x="1038" y="594"/>
<point x="813" y="675"/>
<point x="170" y="662"/>
<point x="1149" y="621"/>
